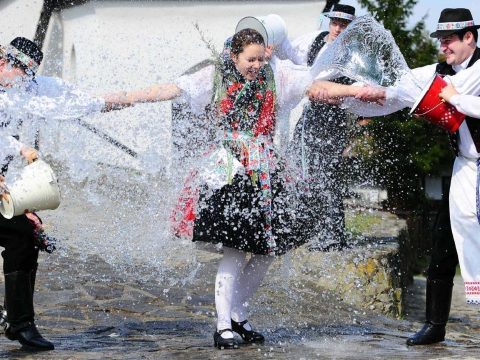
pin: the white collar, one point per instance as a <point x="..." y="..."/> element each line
<point x="462" y="66"/>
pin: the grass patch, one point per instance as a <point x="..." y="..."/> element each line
<point x="361" y="223"/>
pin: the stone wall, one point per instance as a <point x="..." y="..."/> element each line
<point x="372" y="274"/>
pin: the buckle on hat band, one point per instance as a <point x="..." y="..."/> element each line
<point x="459" y="25"/>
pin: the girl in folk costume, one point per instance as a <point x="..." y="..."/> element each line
<point x="238" y="199"/>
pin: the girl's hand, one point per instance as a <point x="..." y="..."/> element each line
<point x="371" y="94"/>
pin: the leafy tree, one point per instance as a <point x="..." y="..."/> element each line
<point x="403" y="149"/>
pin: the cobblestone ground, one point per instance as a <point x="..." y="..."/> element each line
<point x="92" y="306"/>
<point x="116" y="316"/>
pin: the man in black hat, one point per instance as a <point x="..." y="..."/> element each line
<point x="458" y="36"/>
<point x="18" y="64"/>
<point x="22" y="93"/>
<point x="320" y="138"/>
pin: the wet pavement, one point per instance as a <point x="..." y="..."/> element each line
<point x="90" y="310"/>
<point x="119" y="287"/>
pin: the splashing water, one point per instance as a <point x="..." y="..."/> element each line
<point x="367" y="52"/>
<point x="117" y="206"/>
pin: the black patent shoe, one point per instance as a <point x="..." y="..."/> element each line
<point x="29" y="337"/>
<point x="428" y="334"/>
<point x="222" y="343"/>
<point x="248" y="336"/>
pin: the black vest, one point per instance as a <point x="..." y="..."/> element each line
<point x="473" y="124"/>
<point x="315" y="48"/>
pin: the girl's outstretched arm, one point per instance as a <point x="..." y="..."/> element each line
<point x="161" y="92"/>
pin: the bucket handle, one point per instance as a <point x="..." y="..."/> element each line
<point x="426" y="112"/>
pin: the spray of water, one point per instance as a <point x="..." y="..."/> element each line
<point x="119" y="206"/>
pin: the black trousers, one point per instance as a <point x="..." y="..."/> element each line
<point x="444" y="258"/>
<point x="16" y="237"/>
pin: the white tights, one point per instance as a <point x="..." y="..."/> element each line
<point x="237" y="280"/>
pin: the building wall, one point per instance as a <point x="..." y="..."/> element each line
<point x="19" y="18"/>
<point x="117" y="44"/>
<point x="110" y="46"/>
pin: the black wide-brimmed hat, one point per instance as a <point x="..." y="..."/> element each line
<point x="452" y="21"/>
<point x="340" y="11"/>
<point x="23" y="53"/>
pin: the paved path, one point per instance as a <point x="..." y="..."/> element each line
<point x="92" y="310"/>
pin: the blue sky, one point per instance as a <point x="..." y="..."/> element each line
<point x="432" y="8"/>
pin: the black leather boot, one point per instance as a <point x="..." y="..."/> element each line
<point x="248" y="336"/>
<point x="438" y="301"/>
<point x="3" y="319"/>
<point x="222" y="343"/>
<point x="33" y="278"/>
<point x="20" y="314"/>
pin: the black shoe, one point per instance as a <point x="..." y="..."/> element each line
<point x="3" y="319"/>
<point x="29" y="337"/>
<point x="428" y="334"/>
<point x="222" y="343"/>
<point x="248" y="336"/>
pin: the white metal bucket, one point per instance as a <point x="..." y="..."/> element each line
<point x="36" y="189"/>
<point x="271" y="27"/>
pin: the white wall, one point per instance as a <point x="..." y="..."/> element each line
<point x="18" y="18"/>
<point x="121" y="44"/>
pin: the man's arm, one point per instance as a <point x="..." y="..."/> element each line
<point x="467" y="104"/>
<point x="3" y="189"/>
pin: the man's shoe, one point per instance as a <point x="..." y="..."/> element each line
<point x="248" y="336"/>
<point x="3" y="319"/>
<point x="222" y="343"/>
<point x="29" y="337"/>
<point x="428" y="334"/>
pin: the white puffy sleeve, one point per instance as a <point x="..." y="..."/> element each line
<point x="467" y="81"/>
<point x="9" y="146"/>
<point x="402" y="95"/>
<point x="467" y="104"/>
<point x="297" y="50"/>
<point x="55" y="99"/>
<point x="291" y="82"/>
<point x="197" y="88"/>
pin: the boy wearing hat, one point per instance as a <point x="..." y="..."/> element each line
<point x="18" y="64"/>
<point x="321" y="136"/>
<point x="458" y="38"/>
<point x="305" y="49"/>
<point x="22" y="94"/>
